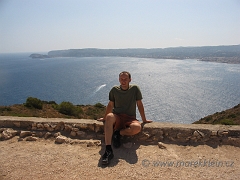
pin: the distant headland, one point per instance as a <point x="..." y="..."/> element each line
<point x="41" y="56"/>
<point x="222" y="54"/>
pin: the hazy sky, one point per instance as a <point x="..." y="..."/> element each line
<point x="44" y="25"/>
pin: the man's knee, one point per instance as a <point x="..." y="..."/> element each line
<point x="136" y="128"/>
<point x="110" y="118"/>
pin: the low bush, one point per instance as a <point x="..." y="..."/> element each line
<point x="68" y="108"/>
<point x="232" y="116"/>
<point x="99" y="105"/>
<point x="208" y="118"/>
<point x="5" y="108"/>
<point x="227" y="122"/>
<point x="32" y="102"/>
<point x="224" y="122"/>
<point x="49" y="102"/>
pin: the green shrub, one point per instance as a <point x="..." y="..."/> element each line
<point x="232" y="116"/>
<point x="208" y="118"/>
<point x="32" y="102"/>
<point x="99" y="105"/>
<point x="5" y="108"/>
<point x="68" y="108"/>
<point x="224" y="122"/>
<point x="227" y="122"/>
<point x="49" y="102"/>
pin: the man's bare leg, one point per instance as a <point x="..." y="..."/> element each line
<point x="108" y="128"/>
<point x="133" y="129"/>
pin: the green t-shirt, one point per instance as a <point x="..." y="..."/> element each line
<point x="125" y="100"/>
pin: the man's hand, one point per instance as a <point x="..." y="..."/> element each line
<point x="101" y="119"/>
<point x="147" y="121"/>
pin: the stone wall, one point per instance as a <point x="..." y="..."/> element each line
<point x="92" y="132"/>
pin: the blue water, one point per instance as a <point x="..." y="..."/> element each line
<point x="179" y="91"/>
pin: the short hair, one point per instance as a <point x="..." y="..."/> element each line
<point x="125" y="72"/>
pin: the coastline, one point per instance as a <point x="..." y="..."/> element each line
<point x="222" y="54"/>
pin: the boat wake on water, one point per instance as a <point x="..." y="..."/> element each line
<point x="97" y="89"/>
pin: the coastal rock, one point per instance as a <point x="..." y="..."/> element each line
<point x="17" y="124"/>
<point x="93" y="143"/>
<point x="144" y="136"/>
<point x="161" y="145"/>
<point x="30" y="138"/>
<point x="24" y="134"/>
<point x="34" y="124"/>
<point x="46" y="125"/>
<point x="40" y="126"/>
<point x="50" y="129"/>
<point x="157" y="132"/>
<point x="67" y="127"/>
<point x="98" y="128"/>
<point x="73" y="133"/>
<point x="214" y="133"/>
<point x="81" y="133"/>
<point x="39" y="134"/>
<point x="61" y="139"/>
<point x="8" y="134"/>
<point x="222" y="133"/>
<point x="198" y="134"/>
<point x="53" y="125"/>
<point x="60" y="126"/>
<point x="89" y="143"/>
<point x="47" y="135"/>
<point x="2" y="129"/>
<point x="82" y="126"/>
<point x="75" y="129"/>
<point x="56" y="134"/>
<point x="20" y="139"/>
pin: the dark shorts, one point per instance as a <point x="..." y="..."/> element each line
<point x="123" y="121"/>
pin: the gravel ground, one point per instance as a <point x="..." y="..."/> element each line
<point x="43" y="159"/>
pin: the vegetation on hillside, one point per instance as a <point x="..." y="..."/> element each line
<point x="227" y="117"/>
<point x="34" y="107"/>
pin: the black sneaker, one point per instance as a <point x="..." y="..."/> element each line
<point x="107" y="156"/>
<point x="116" y="139"/>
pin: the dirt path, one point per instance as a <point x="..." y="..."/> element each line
<point x="43" y="159"/>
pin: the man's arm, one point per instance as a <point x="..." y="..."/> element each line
<point x="109" y="109"/>
<point x="141" y="111"/>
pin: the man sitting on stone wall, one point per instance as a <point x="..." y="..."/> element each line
<point x="120" y="115"/>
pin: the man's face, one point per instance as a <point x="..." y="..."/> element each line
<point x="124" y="81"/>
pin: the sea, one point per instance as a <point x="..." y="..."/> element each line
<point x="174" y="91"/>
